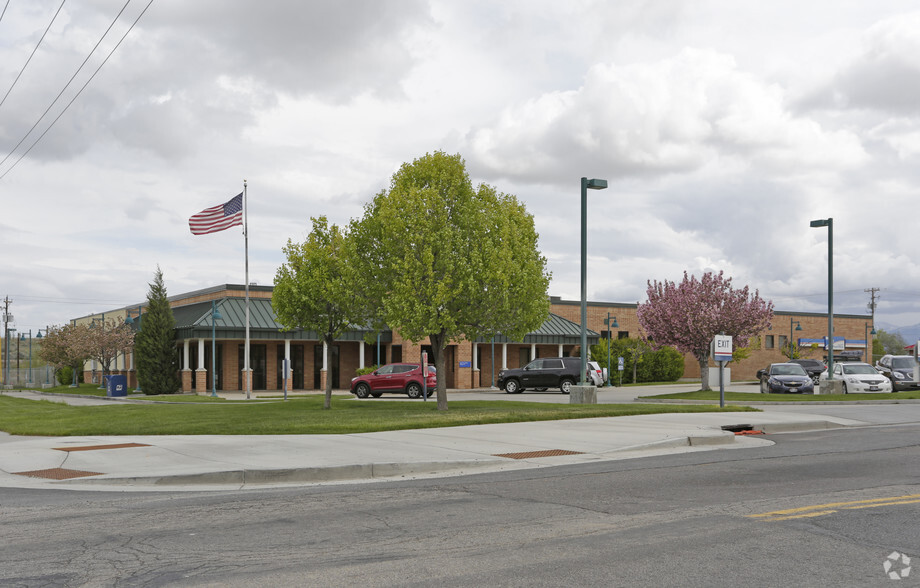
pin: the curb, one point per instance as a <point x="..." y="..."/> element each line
<point x="246" y="477"/>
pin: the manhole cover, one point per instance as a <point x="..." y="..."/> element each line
<point x="544" y="453"/>
<point x="57" y="474"/>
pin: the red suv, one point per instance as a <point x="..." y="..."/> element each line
<point x="401" y="378"/>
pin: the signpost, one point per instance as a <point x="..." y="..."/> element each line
<point x="722" y="352"/>
<point x="620" y="369"/>
<point x="424" y="376"/>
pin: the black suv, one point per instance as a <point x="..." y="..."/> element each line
<point x="542" y="373"/>
<point x="900" y="370"/>
<point x="814" y="368"/>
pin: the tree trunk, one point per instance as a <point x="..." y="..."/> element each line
<point x="438" y="346"/>
<point x="327" y="402"/>
<point x="704" y="373"/>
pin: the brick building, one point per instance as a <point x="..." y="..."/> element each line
<point x="469" y="364"/>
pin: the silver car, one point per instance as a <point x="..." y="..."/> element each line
<point x="859" y="377"/>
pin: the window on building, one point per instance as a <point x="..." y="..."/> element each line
<point x="622" y="334"/>
<point x="768" y="342"/>
<point x="395" y="353"/>
<point x="782" y="341"/>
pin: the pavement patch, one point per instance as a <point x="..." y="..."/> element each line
<point x="57" y="474"/>
<point x="95" y="447"/>
<point x="544" y="453"/>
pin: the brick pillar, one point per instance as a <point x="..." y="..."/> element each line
<point x="323" y="374"/>
<point x="201" y="380"/>
<point x="247" y="380"/>
<point x="186" y="380"/>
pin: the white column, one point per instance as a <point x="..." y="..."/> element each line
<point x="533" y="351"/>
<point x="325" y="355"/>
<point x="504" y="356"/>
<point x="201" y="365"/>
<point x="475" y="356"/>
<point x="560" y="350"/>
<point x="287" y="351"/>
<point x="185" y="347"/>
<point x="360" y="354"/>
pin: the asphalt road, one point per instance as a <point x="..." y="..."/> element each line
<point x="848" y="500"/>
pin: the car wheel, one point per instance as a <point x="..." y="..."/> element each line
<point x="376" y="394"/>
<point x="362" y="390"/>
<point x="843" y="386"/>
<point x="540" y="389"/>
<point x="414" y="390"/>
<point x="566" y="385"/>
<point x="512" y="387"/>
<point x="816" y="379"/>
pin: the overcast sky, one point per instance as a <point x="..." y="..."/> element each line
<point x="722" y="127"/>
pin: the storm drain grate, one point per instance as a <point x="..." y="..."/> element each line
<point x="544" y="453"/>
<point x="94" y="447"/>
<point x="57" y="474"/>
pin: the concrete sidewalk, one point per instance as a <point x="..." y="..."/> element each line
<point x="212" y="462"/>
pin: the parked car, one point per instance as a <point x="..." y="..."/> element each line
<point x="783" y="378"/>
<point x="900" y="370"/>
<point x="595" y="374"/>
<point x="813" y="367"/>
<point x="859" y="377"/>
<point x="542" y="373"/>
<point x="397" y="378"/>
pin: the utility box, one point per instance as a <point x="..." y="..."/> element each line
<point x="116" y="386"/>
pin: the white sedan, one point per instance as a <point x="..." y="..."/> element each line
<point x="859" y="377"/>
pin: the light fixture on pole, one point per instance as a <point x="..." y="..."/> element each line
<point x="215" y="316"/>
<point x="9" y="364"/>
<point x="38" y="335"/>
<point x="798" y="327"/>
<point x="593" y="184"/>
<point x="829" y="223"/>
<point x="609" y="327"/>
<point x="22" y="337"/>
<point x="132" y="321"/>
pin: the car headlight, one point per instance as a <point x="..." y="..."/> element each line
<point x="355" y="378"/>
<point x="900" y="375"/>
<point x="774" y="382"/>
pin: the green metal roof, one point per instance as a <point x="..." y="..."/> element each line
<point x="554" y="330"/>
<point x="193" y="321"/>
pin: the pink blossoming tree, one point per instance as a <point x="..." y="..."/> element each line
<point x="690" y="314"/>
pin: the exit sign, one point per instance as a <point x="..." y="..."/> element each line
<point x="722" y="348"/>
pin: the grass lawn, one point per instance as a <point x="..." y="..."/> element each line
<point x="302" y="415"/>
<point x="753" y="397"/>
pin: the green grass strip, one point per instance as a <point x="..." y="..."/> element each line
<point x="19" y="416"/>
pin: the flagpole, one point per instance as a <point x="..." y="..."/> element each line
<point x="247" y="371"/>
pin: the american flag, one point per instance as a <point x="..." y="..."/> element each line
<point x="217" y="218"/>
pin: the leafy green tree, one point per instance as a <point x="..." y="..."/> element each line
<point x="878" y="349"/>
<point x="314" y="289"/>
<point x="438" y="258"/>
<point x="641" y="363"/>
<point x="155" y="343"/>
<point x="892" y="343"/>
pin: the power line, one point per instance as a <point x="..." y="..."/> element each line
<point x="5" y="6"/>
<point x="53" y="102"/>
<point x="77" y="95"/>
<point x="33" y="50"/>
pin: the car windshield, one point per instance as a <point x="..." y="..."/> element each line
<point x="859" y="369"/>
<point x="790" y="369"/>
<point x="902" y="363"/>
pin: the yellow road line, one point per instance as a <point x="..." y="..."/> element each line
<point x="823" y="509"/>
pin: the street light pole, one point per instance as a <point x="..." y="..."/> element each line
<point x="869" y="347"/>
<point x="609" y="327"/>
<point x="593" y="184"/>
<point x="829" y="223"/>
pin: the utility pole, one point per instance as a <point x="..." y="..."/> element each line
<point x="6" y="339"/>
<point x="871" y="306"/>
